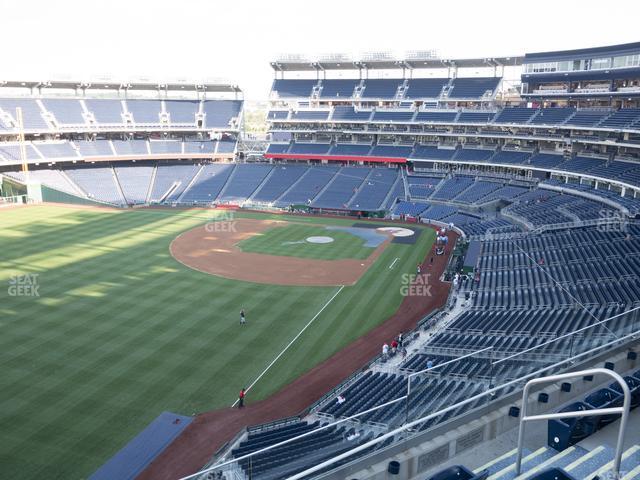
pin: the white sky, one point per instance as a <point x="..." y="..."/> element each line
<point x="199" y="39"/>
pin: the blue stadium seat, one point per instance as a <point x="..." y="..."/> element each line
<point x="145" y="112"/>
<point x="436" y="116"/>
<point x="514" y="115"/>
<point x="66" y="111"/>
<point x="107" y="112"/>
<point x="344" y="113"/>
<point x="182" y="112"/>
<point x="293" y="88"/>
<point x="474" y="88"/>
<point x="381" y="88"/>
<point x="425" y="87"/>
<point x="459" y="472"/>
<point x="219" y="113"/>
<point x="344" y="186"/>
<point x="552" y="116"/>
<point x="563" y="433"/>
<point x="282" y="178"/>
<point x="338" y="88"/>
<point x="475" y="117"/>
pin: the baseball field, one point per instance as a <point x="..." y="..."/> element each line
<point x="103" y="326"/>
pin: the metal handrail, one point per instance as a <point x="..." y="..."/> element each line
<point x="289" y="440"/>
<point x="422" y="420"/>
<point x="406" y="426"/>
<point x="624" y="410"/>
<point x="567" y="335"/>
<point x="410" y="376"/>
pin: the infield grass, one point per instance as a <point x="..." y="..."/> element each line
<point x="290" y="241"/>
<point x="120" y="331"/>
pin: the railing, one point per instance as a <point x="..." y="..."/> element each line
<point x="229" y="463"/>
<point x="14" y="200"/>
<point x="592" y="90"/>
<point x="428" y="369"/>
<point x="628" y="89"/>
<point x="421" y="325"/>
<point x="495" y="388"/>
<point x="272" y="425"/>
<point x="550" y="91"/>
<point x="624" y="411"/>
<point x="407" y="427"/>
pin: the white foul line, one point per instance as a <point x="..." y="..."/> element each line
<point x="292" y="342"/>
<point x="394" y="262"/>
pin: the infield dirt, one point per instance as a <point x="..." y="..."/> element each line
<point x="213" y="248"/>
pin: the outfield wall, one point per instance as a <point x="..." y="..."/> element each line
<point x="52" y="195"/>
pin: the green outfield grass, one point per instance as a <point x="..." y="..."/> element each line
<point x="120" y="331"/>
<point x="289" y="240"/>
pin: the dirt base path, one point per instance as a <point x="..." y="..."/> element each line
<point x="209" y="431"/>
<point x="213" y="249"/>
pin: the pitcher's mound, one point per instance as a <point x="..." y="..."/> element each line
<point x="319" y="239"/>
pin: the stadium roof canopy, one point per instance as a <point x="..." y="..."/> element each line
<point x="413" y="60"/>
<point x="582" y="53"/>
<point x="134" y="84"/>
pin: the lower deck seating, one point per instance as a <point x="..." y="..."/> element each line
<point x="299" y="454"/>
<point x="341" y="188"/>
<point x="171" y="180"/>
<point x="98" y="183"/>
<point x="375" y="189"/>
<point x="309" y="185"/>
<point x="207" y="184"/>
<point x="245" y="180"/>
<point x="282" y="178"/>
<point x="51" y="178"/>
<point x="135" y="181"/>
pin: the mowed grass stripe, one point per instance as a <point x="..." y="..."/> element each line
<point x="122" y="332"/>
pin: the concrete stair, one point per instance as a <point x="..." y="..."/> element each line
<point x="576" y="461"/>
<point x="630" y="460"/>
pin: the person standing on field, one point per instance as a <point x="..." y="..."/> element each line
<point x="243" y="320"/>
<point x="241" y="398"/>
